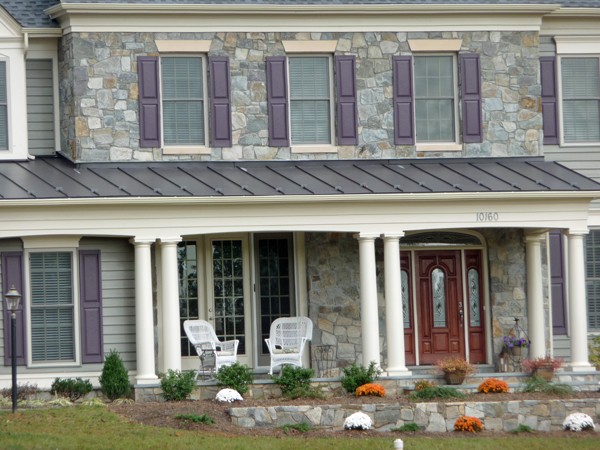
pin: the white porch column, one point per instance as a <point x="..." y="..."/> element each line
<point x="368" y="299"/>
<point x="577" y="304"/>
<point x="535" y="299"/>
<point x="394" y="318"/>
<point x="171" y="347"/>
<point x="144" y="319"/>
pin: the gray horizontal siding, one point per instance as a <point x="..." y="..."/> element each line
<point x="118" y="295"/>
<point x="40" y="107"/>
<point x="547" y="46"/>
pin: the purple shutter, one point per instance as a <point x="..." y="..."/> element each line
<point x="220" y="102"/>
<point x="557" y="276"/>
<point x="345" y="74"/>
<point x="90" y="299"/>
<point x="403" y="100"/>
<point x="471" y="98"/>
<point x="549" y="104"/>
<point x="12" y="275"/>
<point x="149" y="93"/>
<point x="277" y="101"/>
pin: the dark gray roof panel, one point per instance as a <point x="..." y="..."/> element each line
<point x="55" y="177"/>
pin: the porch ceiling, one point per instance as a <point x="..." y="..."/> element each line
<point x="58" y="178"/>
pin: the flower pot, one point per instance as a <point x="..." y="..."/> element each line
<point x="547" y="373"/>
<point x="516" y="351"/>
<point x="455" y="377"/>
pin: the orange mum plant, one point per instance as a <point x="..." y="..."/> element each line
<point x="492" y="385"/>
<point x="468" y="423"/>
<point x="423" y="384"/>
<point x="370" y="389"/>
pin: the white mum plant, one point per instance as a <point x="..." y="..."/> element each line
<point x="228" y="395"/>
<point x="578" y="422"/>
<point x="358" y="421"/>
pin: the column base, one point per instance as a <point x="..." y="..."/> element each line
<point x="582" y="367"/>
<point x="146" y="380"/>
<point x="398" y="372"/>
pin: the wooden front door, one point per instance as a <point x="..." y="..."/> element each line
<point x="439" y="305"/>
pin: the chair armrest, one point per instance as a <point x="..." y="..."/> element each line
<point x="270" y="345"/>
<point x="228" y="346"/>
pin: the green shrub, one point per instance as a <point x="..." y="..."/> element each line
<point x="293" y="378"/>
<point x="432" y="392"/>
<point x="24" y="391"/>
<point x="594" y="348"/>
<point x="356" y="375"/>
<point x="538" y="384"/>
<point x="195" y="418"/>
<point x="114" y="380"/>
<point x="236" y="376"/>
<point x="71" y="388"/>
<point x="177" y="385"/>
<point x="522" y="428"/>
<point x="407" y="427"/>
<point x="301" y="427"/>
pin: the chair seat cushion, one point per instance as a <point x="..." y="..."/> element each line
<point x="279" y="351"/>
<point x="225" y="353"/>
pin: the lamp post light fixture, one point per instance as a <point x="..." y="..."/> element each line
<point x="13" y="297"/>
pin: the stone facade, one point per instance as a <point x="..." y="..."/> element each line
<point x="334" y="290"/>
<point x="99" y="93"/>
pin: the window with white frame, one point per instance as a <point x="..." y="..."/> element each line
<point x="435" y="98"/>
<point x="183" y="100"/>
<point x="592" y="279"/>
<point x="3" y="108"/>
<point x="52" y="306"/>
<point x="310" y="99"/>
<point x="580" y="87"/>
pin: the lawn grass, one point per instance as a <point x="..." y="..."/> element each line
<point x="96" y="428"/>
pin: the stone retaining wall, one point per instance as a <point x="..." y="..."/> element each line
<point x="432" y="417"/>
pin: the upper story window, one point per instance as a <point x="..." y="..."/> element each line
<point x="3" y="108"/>
<point x="310" y="99"/>
<point x="435" y="98"/>
<point x="183" y="100"/>
<point x="580" y="85"/>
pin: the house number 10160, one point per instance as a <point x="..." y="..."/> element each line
<point x="487" y="217"/>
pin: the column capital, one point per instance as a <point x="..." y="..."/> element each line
<point x="535" y="237"/>
<point x="141" y="241"/>
<point x="170" y="240"/>
<point x="366" y="236"/>
<point x="577" y="232"/>
<point x="395" y="235"/>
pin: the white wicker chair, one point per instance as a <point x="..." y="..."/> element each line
<point x="287" y="338"/>
<point x="203" y="337"/>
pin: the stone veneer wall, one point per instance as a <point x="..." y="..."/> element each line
<point x="99" y="93"/>
<point x="334" y="291"/>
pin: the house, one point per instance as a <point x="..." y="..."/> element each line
<point x="412" y="177"/>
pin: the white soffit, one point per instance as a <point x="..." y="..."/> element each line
<point x="98" y="17"/>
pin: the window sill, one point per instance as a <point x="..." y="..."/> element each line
<point x="186" y="150"/>
<point x="439" y="147"/>
<point x="314" y="149"/>
<point x="40" y="365"/>
<point x="579" y="144"/>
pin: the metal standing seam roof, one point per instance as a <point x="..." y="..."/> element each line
<point x="58" y="178"/>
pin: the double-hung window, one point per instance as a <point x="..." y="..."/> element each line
<point x="3" y="108"/>
<point x="52" y="307"/>
<point x="435" y="98"/>
<point x="183" y="100"/>
<point x="580" y="83"/>
<point x="310" y="100"/>
<point x="592" y="278"/>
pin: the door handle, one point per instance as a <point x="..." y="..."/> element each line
<point x="461" y="314"/>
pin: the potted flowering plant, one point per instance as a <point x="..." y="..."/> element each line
<point x="455" y="369"/>
<point x="543" y="367"/>
<point x="514" y="344"/>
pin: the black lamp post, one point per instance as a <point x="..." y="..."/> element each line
<point x="12" y="304"/>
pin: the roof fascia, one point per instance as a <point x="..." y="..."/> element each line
<point x="100" y="17"/>
<point x="9" y="21"/>
<point x="299" y="199"/>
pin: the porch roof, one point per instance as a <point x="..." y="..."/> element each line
<point x="58" y="178"/>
